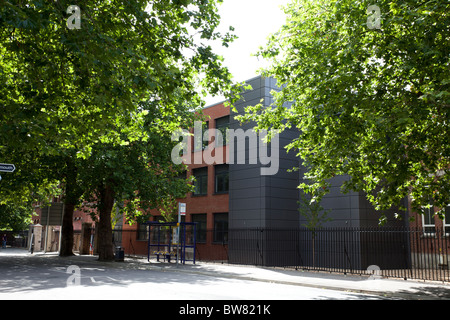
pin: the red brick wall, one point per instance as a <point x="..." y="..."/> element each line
<point x="208" y="204"/>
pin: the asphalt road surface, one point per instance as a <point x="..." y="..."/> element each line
<point x="25" y="276"/>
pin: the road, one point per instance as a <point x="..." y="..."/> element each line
<point x="46" y="277"/>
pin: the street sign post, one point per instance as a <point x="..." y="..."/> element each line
<point x="182" y="209"/>
<point x="181" y="212"/>
<point x="5" y="167"/>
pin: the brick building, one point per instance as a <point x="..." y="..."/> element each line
<point x="250" y="187"/>
<point x="253" y="188"/>
<point x="430" y="245"/>
<point x="208" y="205"/>
<point x="46" y="227"/>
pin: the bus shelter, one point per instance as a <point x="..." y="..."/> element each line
<point x="169" y="240"/>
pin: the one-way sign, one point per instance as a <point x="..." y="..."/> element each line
<point x="4" y="167"/>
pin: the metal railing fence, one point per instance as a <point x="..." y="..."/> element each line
<point x="389" y="252"/>
<point x="393" y="252"/>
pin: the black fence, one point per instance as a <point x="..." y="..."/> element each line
<point x="382" y="251"/>
<point x="388" y="252"/>
<point x="404" y="253"/>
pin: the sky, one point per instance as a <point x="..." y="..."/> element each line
<point x="254" y="21"/>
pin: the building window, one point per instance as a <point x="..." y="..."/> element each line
<point x="142" y="232"/>
<point x="223" y="124"/>
<point x="199" y="143"/>
<point x="221" y="178"/>
<point x="201" y="181"/>
<point x="221" y="227"/>
<point x="428" y="220"/>
<point x="201" y="226"/>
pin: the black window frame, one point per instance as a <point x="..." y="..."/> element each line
<point x="200" y="182"/>
<point x="221" y="179"/>
<point x="220" y="227"/>
<point x="142" y="232"/>
<point x="200" y="144"/>
<point x="201" y="220"/>
<point x="222" y="124"/>
<point x="428" y="221"/>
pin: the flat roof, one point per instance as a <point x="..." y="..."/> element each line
<point x="221" y="102"/>
<point x="214" y="104"/>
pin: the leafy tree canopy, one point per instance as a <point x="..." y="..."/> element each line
<point x="67" y="95"/>
<point x="70" y="88"/>
<point x="372" y="103"/>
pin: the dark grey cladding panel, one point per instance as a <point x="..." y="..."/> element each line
<point x="249" y="193"/>
<point x="275" y="205"/>
<point x="272" y="201"/>
<point x="283" y="193"/>
<point x="239" y="184"/>
<point x="285" y="175"/>
<point x="246" y="223"/>
<point x="255" y="199"/>
<point x="261" y="88"/>
<point x="244" y="167"/>
<point x="246" y="174"/>
<point x="245" y="204"/>
<point x="340" y="202"/>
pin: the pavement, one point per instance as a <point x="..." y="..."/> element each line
<point x="387" y="288"/>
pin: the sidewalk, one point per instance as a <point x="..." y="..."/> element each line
<point x="389" y="288"/>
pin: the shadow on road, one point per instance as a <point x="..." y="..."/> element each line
<point x="23" y="274"/>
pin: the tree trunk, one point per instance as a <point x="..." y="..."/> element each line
<point x="67" y="231"/>
<point x="105" y="243"/>
<point x="69" y="207"/>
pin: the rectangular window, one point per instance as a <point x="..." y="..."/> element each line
<point x="201" y="226"/>
<point x="154" y="229"/>
<point x="221" y="178"/>
<point x="223" y="124"/>
<point x="142" y="232"/>
<point x="201" y="181"/>
<point x="199" y="144"/>
<point x="428" y="220"/>
<point x="221" y="227"/>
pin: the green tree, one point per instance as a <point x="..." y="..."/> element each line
<point x="67" y="91"/>
<point x="139" y="175"/>
<point x="372" y="103"/>
<point x="315" y="216"/>
<point x="14" y="217"/>
<point x="313" y="212"/>
<point x="20" y="190"/>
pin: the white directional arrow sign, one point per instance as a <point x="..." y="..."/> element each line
<point x="5" y="167"/>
